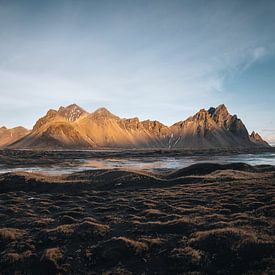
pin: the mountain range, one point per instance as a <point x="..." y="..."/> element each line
<point x="8" y="136"/>
<point x="72" y="127"/>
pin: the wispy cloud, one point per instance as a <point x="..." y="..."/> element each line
<point x="252" y="56"/>
<point x="161" y="59"/>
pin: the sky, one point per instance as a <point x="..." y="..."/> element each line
<point x="162" y="60"/>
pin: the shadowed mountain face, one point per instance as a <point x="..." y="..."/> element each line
<point x="210" y="129"/>
<point x="8" y="136"/>
<point x="257" y="139"/>
<point x="72" y="127"/>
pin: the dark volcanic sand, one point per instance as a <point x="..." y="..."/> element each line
<point x="206" y="218"/>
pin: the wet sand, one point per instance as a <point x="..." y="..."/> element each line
<point x="22" y="157"/>
<point x="206" y="218"/>
<point x="66" y="162"/>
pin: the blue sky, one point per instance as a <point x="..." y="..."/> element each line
<point x="162" y="60"/>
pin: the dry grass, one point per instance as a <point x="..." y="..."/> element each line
<point x="10" y="233"/>
<point x="213" y="225"/>
<point x="52" y="254"/>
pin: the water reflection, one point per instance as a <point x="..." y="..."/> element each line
<point x="148" y="163"/>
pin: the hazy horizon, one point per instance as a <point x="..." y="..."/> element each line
<point x="151" y="59"/>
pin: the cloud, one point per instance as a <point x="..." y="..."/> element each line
<point x="162" y="60"/>
<point x="253" y="56"/>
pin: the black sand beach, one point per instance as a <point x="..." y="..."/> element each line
<point x="207" y="218"/>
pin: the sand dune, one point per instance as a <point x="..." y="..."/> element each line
<point x="207" y="218"/>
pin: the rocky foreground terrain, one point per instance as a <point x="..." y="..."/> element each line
<point x="206" y="218"/>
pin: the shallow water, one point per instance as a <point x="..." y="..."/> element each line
<point x="144" y="163"/>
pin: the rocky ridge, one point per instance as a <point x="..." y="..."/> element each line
<point x="73" y="128"/>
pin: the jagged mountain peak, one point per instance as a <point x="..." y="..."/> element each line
<point x="71" y="112"/>
<point x="102" y="112"/>
<point x="253" y="134"/>
<point x="220" y="114"/>
<point x="201" y="115"/>
<point x="256" y="136"/>
<point x="212" y="128"/>
<point x="51" y="112"/>
<point x="131" y="120"/>
<point x="73" y="105"/>
<point x="219" y="109"/>
<point x="222" y="108"/>
<point x="70" y="107"/>
<point x="257" y="139"/>
<point x="229" y="122"/>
